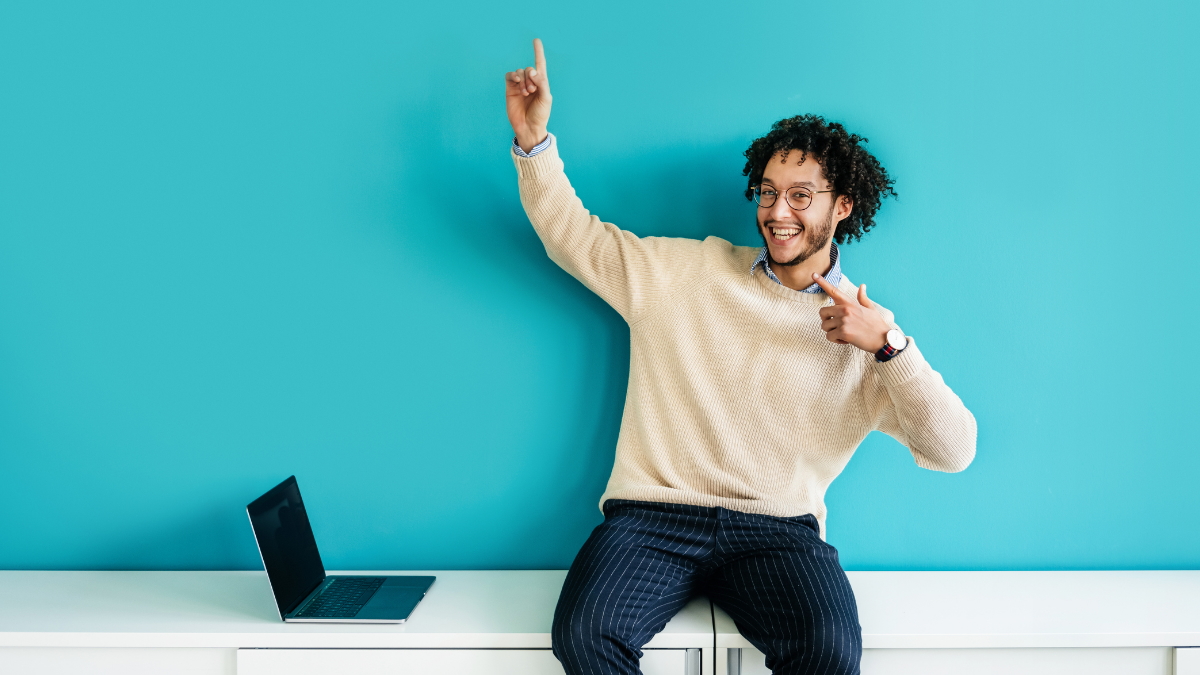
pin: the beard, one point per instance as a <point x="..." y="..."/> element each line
<point x="818" y="238"/>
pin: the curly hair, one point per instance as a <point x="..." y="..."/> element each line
<point x="853" y="171"/>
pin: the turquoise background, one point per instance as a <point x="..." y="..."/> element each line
<point x="244" y="240"/>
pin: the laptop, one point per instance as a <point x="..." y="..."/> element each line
<point x="303" y="592"/>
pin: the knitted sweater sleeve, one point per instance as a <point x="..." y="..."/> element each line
<point x="911" y="403"/>
<point x="630" y="273"/>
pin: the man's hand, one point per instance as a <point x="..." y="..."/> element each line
<point x="527" y="94"/>
<point x="852" y="321"/>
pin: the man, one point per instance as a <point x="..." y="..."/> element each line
<point x="754" y="374"/>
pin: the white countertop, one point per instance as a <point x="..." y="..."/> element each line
<point x="463" y="609"/>
<point x="513" y="609"/>
<point x="1019" y="609"/>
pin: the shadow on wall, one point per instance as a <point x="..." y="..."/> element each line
<point x="694" y="196"/>
<point x="455" y="212"/>
<point x="479" y="239"/>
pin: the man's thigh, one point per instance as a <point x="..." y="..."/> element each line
<point x="786" y="591"/>
<point x="633" y="574"/>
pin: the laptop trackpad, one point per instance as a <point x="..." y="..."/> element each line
<point x="391" y="603"/>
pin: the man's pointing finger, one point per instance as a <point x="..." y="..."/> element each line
<point x="539" y="57"/>
<point x="834" y="293"/>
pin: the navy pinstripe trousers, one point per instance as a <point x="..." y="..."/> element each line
<point x="776" y="578"/>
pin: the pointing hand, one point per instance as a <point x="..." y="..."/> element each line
<point x="852" y="320"/>
<point x="527" y="96"/>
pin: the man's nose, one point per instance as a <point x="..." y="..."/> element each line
<point x="781" y="210"/>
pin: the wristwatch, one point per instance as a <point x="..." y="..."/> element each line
<point x="896" y="342"/>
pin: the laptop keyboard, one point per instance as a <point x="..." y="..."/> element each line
<point x="342" y="598"/>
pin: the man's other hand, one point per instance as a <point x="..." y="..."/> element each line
<point x="852" y="321"/>
<point x="527" y="95"/>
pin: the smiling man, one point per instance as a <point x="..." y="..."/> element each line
<point x="754" y="375"/>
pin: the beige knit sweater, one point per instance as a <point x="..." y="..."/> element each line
<point x="735" y="398"/>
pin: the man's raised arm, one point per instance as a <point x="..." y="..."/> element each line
<point x="628" y="272"/>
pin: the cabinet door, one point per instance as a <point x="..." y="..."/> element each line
<point x="1187" y="661"/>
<point x="1093" y="661"/>
<point x="117" y="661"/>
<point x="430" y="662"/>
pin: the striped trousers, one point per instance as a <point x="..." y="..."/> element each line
<point x="775" y="577"/>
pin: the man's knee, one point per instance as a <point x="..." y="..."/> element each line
<point x="834" y="648"/>
<point x="588" y="639"/>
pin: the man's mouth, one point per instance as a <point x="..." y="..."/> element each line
<point x="784" y="233"/>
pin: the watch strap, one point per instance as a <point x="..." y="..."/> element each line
<point x="886" y="353"/>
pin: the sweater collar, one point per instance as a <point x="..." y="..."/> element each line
<point x="835" y="268"/>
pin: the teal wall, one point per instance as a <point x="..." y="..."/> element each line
<point x="244" y="240"/>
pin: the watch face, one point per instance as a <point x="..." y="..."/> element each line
<point x="896" y="339"/>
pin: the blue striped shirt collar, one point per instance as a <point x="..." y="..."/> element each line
<point x="835" y="268"/>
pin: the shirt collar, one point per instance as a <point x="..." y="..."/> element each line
<point x="834" y="276"/>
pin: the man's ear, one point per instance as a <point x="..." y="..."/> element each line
<point x="843" y="208"/>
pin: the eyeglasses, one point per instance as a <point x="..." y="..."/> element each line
<point x="797" y="197"/>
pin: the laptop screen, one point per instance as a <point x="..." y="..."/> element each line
<point x="286" y="542"/>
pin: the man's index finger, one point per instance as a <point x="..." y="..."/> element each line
<point x="833" y="292"/>
<point x="539" y="56"/>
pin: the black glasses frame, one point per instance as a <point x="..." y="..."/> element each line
<point x="756" y="191"/>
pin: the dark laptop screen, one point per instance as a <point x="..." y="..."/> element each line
<point x="286" y="542"/>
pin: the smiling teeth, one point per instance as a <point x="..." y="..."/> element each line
<point x="784" y="235"/>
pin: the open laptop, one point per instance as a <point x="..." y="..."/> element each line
<point x="302" y="590"/>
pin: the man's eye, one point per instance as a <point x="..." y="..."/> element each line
<point x="766" y="192"/>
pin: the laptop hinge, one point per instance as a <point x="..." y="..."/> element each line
<point x="308" y="598"/>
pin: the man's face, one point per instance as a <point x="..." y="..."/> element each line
<point x="794" y="236"/>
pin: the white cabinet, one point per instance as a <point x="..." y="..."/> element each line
<point x="225" y="623"/>
<point x="1187" y="661"/>
<point x="497" y="622"/>
<point x="179" y="661"/>
<point x="117" y="661"/>
<point x="1078" y="661"/>
<point x="437" y="662"/>
<point x="1028" y="623"/>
